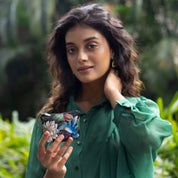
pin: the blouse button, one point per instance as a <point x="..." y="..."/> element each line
<point x="85" y="120"/>
<point x="76" y="168"/>
<point x="79" y="143"/>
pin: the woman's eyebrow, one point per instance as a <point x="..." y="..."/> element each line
<point x="90" y="38"/>
<point x="87" y="39"/>
<point x="69" y="43"/>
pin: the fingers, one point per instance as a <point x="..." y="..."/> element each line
<point x="54" y="147"/>
<point x="114" y="73"/>
<point x="115" y="79"/>
<point x="55" y="157"/>
<point x="41" y="147"/>
<point x="54" y="154"/>
<point x="66" y="156"/>
<point x="63" y="149"/>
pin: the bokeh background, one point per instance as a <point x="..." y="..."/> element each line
<point x="25" y="26"/>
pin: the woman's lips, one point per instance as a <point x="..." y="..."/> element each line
<point x="85" y="69"/>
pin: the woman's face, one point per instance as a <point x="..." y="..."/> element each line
<point x="88" y="53"/>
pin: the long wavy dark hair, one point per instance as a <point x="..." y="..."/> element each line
<point x="121" y="43"/>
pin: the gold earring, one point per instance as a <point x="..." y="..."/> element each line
<point x="113" y="64"/>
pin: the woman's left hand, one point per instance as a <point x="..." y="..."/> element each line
<point x="113" y="87"/>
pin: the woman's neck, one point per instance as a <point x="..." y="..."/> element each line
<point x="90" y="94"/>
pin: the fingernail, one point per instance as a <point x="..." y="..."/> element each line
<point x="71" y="138"/>
<point x="46" y="133"/>
<point x="61" y="136"/>
<point x="70" y="148"/>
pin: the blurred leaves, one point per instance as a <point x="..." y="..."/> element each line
<point x="24" y="29"/>
<point x="24" y="20"/>
<point x="15" y="141"/>
<point x="23" y="71"/>
<point x="160" y="69"/>
<point x="154" y="26"/>
<point x="166" y="164"/>
<point x="171" y="110"/>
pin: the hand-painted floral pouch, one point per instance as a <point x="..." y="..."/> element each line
<point x="61" y="123"/>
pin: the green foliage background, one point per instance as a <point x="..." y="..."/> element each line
<point x="166" y="165"/>
<point x="26" y="24"/>
<point x="15" y="142"/>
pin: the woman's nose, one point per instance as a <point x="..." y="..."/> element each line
<point x="82" y="56"/>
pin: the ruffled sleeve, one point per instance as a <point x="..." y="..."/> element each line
<point x="141" y="131"/>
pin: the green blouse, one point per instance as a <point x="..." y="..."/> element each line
<point x="112" y="143"/>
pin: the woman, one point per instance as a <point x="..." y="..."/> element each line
<point x="93" y="64"/>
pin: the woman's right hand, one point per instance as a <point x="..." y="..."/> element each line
<point x="54" y="158"/>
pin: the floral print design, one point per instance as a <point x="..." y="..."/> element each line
<point x="51" y="127"/>
<point x="61" y="123"/>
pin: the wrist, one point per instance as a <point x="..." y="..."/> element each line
<point x="49" y="174"/>
<point x="113" y="96"/>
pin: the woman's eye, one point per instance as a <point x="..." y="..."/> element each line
<point x="70" y="50"/>
<point x="92" y="46"/>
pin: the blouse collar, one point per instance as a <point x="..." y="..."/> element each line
<point x="74" y="106"/>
